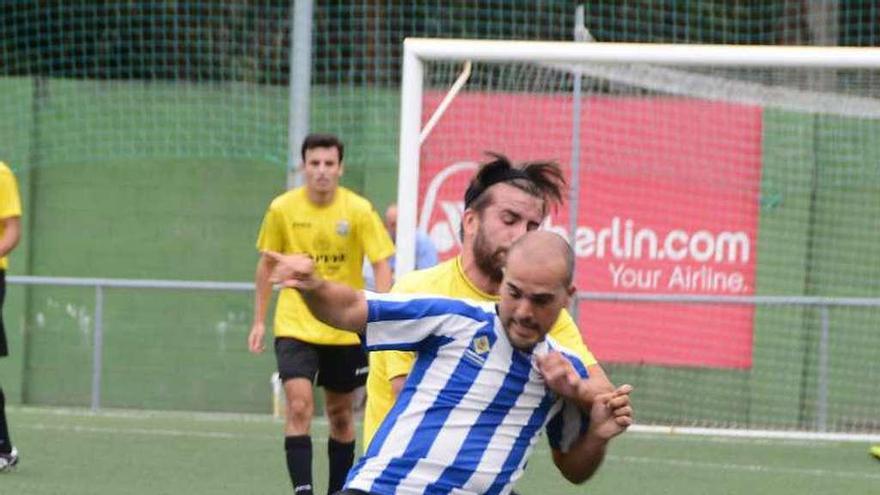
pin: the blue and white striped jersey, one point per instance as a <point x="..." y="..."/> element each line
<point x="472" y="408"/>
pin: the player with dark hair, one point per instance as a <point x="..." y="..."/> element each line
<point x="487" y="378"/>
<point x="10" y="233"/>
<point x="502" y="203"/>
<point x="337" y="228"/>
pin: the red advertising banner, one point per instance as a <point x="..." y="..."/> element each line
<point x="668" y="204"/>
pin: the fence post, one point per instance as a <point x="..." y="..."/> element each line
<point x="300" y="84"/>
<point x="98" y="348"/>
<point x="822" y="381"/>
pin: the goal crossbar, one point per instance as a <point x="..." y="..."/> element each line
<point x="417" y="51"/>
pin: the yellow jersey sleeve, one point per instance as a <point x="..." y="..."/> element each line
<point x="10" y="202"/>
<point x="566" y="332"/>
<point x="271" y="236"/>
<point x="384" y="365"/>
<point x="398" y="363"/>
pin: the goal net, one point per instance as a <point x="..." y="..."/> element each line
<point x="723" y="211"/>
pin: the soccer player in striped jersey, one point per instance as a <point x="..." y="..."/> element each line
<point x="503" y="201"/>
<point x="486" y="380"/>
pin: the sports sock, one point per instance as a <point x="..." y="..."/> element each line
<point x="299" y="463"/>
<point x="341" y="458"/>
<point x="5" y="442"/>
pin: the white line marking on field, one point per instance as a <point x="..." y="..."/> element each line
<point x="760" y="434"/>
<point x="142" y="414"/>
<point x="754" y="468"/>
<point x="666" y="437"/>
<point x="147" y="431"/>
<point x="320" y="421"/>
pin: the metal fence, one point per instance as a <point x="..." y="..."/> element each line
<point x="822" y="304"/>
<point x="99" y="285"/>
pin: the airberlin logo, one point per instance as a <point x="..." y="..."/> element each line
<point x="620" y="239"/>
<point x="702" y="260"/>
<point x="624" y="239"/>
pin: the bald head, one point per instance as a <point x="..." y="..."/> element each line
<point x="548" y="250"/>
<point x="536" y="287"/>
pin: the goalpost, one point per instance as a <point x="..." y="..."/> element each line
<point x="724" y="223"/>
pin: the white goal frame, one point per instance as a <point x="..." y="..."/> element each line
<point x="417" y="51"/>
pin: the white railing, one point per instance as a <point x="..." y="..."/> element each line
<point x="99" y="285"/>
<point x="821" y="303"/>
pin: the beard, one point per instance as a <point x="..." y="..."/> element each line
<point x="489" y="259"/>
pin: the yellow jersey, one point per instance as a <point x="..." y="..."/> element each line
<point x="446" y="279"/>
<point x="10" y="202"/>
<point x="336" y="236"/>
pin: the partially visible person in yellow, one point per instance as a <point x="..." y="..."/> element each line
<point x="336" y="228"/>
<point x="875" y="451"/>
<point x="502" y="202"/>
<point x="10" y="233"/>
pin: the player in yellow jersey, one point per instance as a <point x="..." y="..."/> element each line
<point x="502" y="203"/>
<point x="10" y="233"/>
<point x="336" y="228"/>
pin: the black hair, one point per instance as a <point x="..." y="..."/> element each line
<point x="542" y="179"/>
<point x="322" y="141"/>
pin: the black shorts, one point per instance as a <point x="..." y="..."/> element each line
<point x="4" y="350"/>
<point x="339" y="368"/>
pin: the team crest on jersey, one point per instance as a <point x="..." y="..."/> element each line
<point x="481" y="344"/>
<point x="477" y="351"/>
<point x="342" y="227"/>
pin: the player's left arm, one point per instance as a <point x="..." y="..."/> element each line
<point x="11" y="234"/>
<point x="610" y="415"/>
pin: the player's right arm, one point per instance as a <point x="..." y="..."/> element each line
<point x="337" y="305"/>
<point x="397" y="322"/>
<point x="270" y="238"/>
<point x="262" y="294"/>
